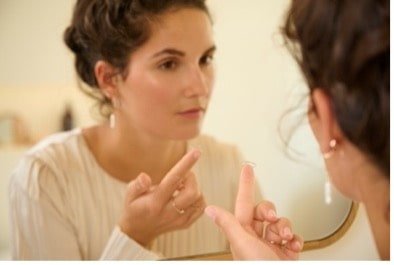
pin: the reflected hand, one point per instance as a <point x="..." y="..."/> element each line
<point x="255" y="232"/>
<point x="175" y="203"/>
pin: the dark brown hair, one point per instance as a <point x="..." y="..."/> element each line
<point x="343" y="47"/>
<point x="111" y="30"/>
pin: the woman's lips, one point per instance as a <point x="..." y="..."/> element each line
<point x="192" y="113"/>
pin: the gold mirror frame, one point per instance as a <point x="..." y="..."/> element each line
<point x="308" y="245"/>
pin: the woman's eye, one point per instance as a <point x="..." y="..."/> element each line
<point x="169" y="65"/>
<point x="206" y="60"/>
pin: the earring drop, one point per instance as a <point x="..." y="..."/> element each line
<point x="115" y="104"/>
<point x="333" y="144"/>
<point x="112" y="120"/>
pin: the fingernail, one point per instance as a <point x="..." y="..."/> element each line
<point x="137" y="185"/>
<point x="297" y="246"/>
<point x="197" y="154"/>
<point x="210" y="212"/>
<point x="272" y="214"/>
<point x="287" y="232"/>
<point x="141" y="182"/>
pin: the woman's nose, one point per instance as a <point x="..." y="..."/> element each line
<point x="199" y="84"/>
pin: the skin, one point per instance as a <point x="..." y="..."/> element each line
<point x="168" y="75"/>
<point x="254" y="231"/>
<point x="350" y="170"/>
<point x="157" y="88"/>
<point x="159" y="104"/>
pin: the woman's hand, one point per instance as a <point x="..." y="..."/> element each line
<point x="255" y="232"/>
<point x="175" y="203"/>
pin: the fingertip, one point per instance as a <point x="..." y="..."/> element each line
<point x="247" y="171"/>
<point x="196" y="153"/>
<point x="210" y="212"/>
<point x="286" y="233"/>
<point x="296" y="246"/>
<point x="141" y="183"/>
<point x="271" y="215"/>
<point x="144" y="179"/>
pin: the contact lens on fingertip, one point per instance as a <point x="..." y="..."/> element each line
<point x="249" y="163"/>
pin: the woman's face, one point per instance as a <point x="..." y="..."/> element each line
<point x="170" y="78"/>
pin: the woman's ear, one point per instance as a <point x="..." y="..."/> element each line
<point x="105" y="75"/>
<point x="324" y="124"/>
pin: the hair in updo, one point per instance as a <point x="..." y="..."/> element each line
<point x="343" y="47"/>
<point x="111" y="30"/>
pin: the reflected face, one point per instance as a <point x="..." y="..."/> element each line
<point x="170" y="77"/>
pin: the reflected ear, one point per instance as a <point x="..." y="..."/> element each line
<point x="324" y="124"/>
<point x="105" y="75"/>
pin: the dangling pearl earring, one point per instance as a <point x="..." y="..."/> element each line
<point x="112" y="120"/>
<point x="115" y="104"/>
<point x="327" y="184"/>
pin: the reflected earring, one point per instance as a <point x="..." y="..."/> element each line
<point x="112" y="120"/>
<point x="115" y="104"/>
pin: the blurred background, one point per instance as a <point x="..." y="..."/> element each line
<point x="257" y="82"/>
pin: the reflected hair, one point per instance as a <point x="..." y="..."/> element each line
<point x="111" y="30"/>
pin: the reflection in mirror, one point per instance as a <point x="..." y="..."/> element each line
<point x="257" y="81"/>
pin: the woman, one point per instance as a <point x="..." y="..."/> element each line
<point x="343" y="49"/>
<point x="127" y="188"/>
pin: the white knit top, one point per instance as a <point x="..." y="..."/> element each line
<point x="63" y="205"/>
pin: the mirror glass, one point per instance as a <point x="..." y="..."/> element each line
<point x="257" y="83"/>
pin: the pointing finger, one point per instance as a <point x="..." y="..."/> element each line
<point x="244" y="205"/>
<point x="171" y="181"/>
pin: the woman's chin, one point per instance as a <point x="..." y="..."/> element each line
<point x="188" y="134"/>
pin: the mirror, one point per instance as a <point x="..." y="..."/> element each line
<point x="257" y="82"/>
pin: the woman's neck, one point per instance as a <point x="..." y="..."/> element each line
<point x="124" y="155"/>
<point x="374" y="190"/>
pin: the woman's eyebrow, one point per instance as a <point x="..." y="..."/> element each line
<point x="210" y="50"/>
<point x="170" y="51"/>
<point x="173" y="51"/>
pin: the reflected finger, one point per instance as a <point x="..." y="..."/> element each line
<point x="171" y="181"/>
<point x="190" y="193"/>
<point x="137" y="187"/>
<point x="197" y="210"/>
<point x="190" y="214"/>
